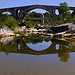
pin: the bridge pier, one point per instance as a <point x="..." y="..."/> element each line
<point x="42" y="21"/>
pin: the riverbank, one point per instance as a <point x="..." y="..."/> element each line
<point x="64" y="30"/>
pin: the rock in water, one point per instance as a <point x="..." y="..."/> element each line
<point x="60" y="28"/>
<point x="6" y="31"/>
<point x="71" y="27"/>
<point x="63" y="28"/>
<point x="20" y="29"/>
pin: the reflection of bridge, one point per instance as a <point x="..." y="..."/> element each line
<point x="19" y="46"/>
<point x="20" y="12"/>
<point x="24" y="49"/>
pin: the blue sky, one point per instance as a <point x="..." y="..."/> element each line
<point x="16" y="3"/>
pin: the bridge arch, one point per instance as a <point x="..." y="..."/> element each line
<point x="20" y="12"/>
<point x="32" y="8"/>
<point x="5" y="12"/>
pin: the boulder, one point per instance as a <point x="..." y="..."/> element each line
<point x="20" y="29"/>
<point x="47" y="26"/>
<point x="42" y="30"/>
<point x="6" y="31"/>
<point x="33" y="30"/>
<point x="62" y="28"/>
<point x="71" y="27"/>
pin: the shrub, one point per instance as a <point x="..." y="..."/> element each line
<point x="12" y="23"/>
<point x="5" y="19"/>
<point x="0" y="36"/>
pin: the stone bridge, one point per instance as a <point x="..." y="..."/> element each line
<point x="20" y="12"/>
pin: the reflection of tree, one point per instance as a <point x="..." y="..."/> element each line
<point x="34" y="39"/>
<point x="63" y="53"/>
<point x="30" y="39"/>
<point x="18" y="45"/>
<point x="12" y="47"/>
<point x="9" y="47"/>
<point x="64" y="57"/>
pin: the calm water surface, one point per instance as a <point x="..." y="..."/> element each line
<point x="34" y="55"/>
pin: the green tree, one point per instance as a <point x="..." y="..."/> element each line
<point x="67" y="17"/>
<point x="12" y="23"/>
<point x="64" y="14"/>
<point x="34" y="14"/>
<point x="60" y="19"/>
<point x="27" y="22"/>
<point x="63" y="8"/>
<point x="46" y="14"/>
<point x="3" y="18"/>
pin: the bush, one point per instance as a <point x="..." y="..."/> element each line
<point x="6" y="20"/>
<point x="3" y="18"/>
<point x="0" y="36"/>
<point x="11" y="23"/>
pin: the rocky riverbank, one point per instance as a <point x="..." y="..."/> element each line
<point x="64" y="30"/>
<point x="6" y="31"/>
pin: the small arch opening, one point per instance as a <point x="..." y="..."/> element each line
<point x="71" y="11"/>
<point x="18" y="11"/>
<point x="7" y="13"/>
<point x="57" y="46"/>
<point x="56" y="12"/>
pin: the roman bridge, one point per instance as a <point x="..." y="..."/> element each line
<point x="20" y="12"/>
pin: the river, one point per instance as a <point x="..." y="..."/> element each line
<point x="37" y="55"/>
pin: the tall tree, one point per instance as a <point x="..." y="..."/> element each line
<point x="63" y="8"/>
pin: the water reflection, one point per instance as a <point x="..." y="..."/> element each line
<point x="39" y="46"/>
<point x="6" y="40"/>
<point x="35" y="45"/>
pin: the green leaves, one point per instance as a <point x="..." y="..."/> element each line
<point x="63" y="8"/>
<point x="6" y="20"/>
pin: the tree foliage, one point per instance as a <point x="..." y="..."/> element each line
<point x="63" y="8"/>
<point x="5" y="19"/>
